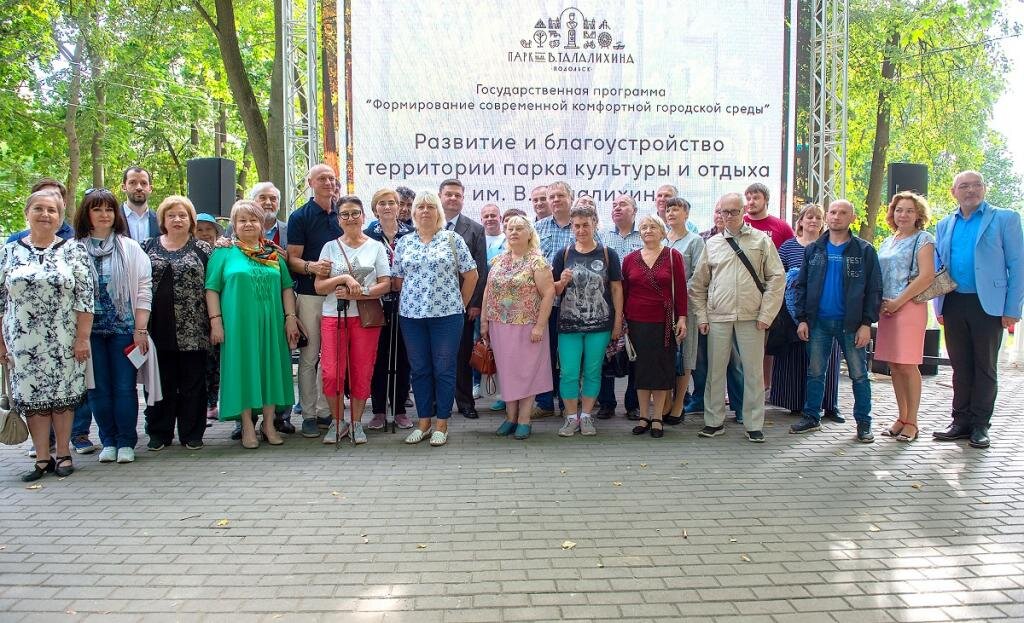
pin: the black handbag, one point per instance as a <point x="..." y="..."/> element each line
<point x="782" y="331"/>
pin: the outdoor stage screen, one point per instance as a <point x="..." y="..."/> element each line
<point x="610" y="96"/>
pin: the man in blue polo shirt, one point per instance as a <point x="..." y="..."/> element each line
<point x="309" y="229"/>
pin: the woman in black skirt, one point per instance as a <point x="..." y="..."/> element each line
<point x="654" y="291"/>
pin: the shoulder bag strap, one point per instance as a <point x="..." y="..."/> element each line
<point x="344" y="255"/>
<point x="746" y="262"/>
<point x="913" y="256"/>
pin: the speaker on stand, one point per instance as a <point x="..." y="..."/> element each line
<point x="906" y="176"/>
<point x="211" y="185"/>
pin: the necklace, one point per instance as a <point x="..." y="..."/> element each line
<point x="40" y="252"/>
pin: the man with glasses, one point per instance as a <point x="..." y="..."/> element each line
<point x="981" y="247"/>
<point x="309" y="229"/>
<point x="736" y="291"/>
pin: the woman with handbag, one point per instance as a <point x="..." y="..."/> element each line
<point x="46" y="301"/>
<point x="252" y="316"/>
<point x="590" y="284"/>
<point x="437" y="275"/>
<point x="907" y="259"/>
<point x="352" y="317"/>
<point x="654" y="288"/>
<point x="517" y="303"/>
<point x="122" y="276"/>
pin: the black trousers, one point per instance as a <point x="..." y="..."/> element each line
<point x="183" y="382"/>
<point x="379" y="382"/>
<point x="463" y="373"/>
<point x="972" y="341"/>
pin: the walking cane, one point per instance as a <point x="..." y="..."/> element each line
<point x="348" y="373"/>
<point x="392" y="385"/>
<point x="338" y="404"/>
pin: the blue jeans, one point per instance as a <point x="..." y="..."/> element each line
<point x="433" y="348"/>
<point x="733" y="380"/>
<point x="818" y="350"/>
<point x="114" y="401"/>
<point x="82" y="422"/>
<point x="606" y="397"/>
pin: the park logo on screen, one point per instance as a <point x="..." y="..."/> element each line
<point x="571" y="41"/>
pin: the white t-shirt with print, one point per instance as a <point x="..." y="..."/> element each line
<point x="369" y="263"/>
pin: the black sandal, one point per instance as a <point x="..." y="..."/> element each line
<point x="640" y="429"/>
<point x="657" y="433"/>
<point x="37" y="472"/>
<point x="64" y="466"/>
<point x="673" y="420"/>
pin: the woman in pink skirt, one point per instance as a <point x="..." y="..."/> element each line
<point x="908" y="268"/>
<point x="517" y="303"/>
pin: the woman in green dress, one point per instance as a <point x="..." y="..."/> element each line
<point x="252" y="316"/>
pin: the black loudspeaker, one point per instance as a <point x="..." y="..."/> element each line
<point x="211" y="185"/>
<point x="905" y="176"/>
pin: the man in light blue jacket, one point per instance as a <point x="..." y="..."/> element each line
<point x="981" y="246"/>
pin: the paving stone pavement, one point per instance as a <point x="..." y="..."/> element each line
<point x="810" y="528"/>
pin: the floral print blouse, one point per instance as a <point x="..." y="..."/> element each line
<point x="431" y="274"/>
<point x="179" y="318"/>
<point x="513" y="297"/>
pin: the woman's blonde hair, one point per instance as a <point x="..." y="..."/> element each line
<point x="380" y="194"/>
<point x="804" y="211"/>
<point x="249" y="207"/>
<point x="430" y="199"/>
<point x="656" y="220"/>
<point x="175" y="201"/>
<point x="533" y="242"/>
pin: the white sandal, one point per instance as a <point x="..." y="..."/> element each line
<point x="439" y="438"/>
<point x="417" y="436"/>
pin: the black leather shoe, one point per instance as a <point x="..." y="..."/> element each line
<point x="604" y="412"/>
<point x="952" y="433"/>
<point x="470" y="412"/>
<point x="284" y="426"/>
<point x="979" y="437"/>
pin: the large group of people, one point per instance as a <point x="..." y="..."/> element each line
<point x="207" y="318"/>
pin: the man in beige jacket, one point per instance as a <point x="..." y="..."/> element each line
<point x="731" y="302"/>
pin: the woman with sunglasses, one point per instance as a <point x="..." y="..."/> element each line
<point x="123" y="292"/>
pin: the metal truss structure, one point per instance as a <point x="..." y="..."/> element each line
<point x="301" y="89"/>
<point x="830" y="45"/>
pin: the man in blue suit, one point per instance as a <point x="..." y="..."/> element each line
<point x="981" y="246"/>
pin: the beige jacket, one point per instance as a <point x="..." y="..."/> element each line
<point x="722" y="289"/>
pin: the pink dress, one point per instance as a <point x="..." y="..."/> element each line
<point x="513" y="305"/>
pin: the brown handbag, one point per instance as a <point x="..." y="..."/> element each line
<point x="13" y="429"/>
<point x="482" y="358"/>
<point x="371" y="311"/>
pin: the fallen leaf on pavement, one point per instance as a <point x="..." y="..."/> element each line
<point x="421" y="546"/>
<point x="732" y="540"/>
<point x="874" y="528"/>
<point x="335" y="493"/>
<point x="222" y="522"/>
<point x="568" y="544"/>
<point x="685" y="536"/>
<point x="563" y="472"/>
<point x="34" y="487"/>
<point x="643" y="466"/>
<point x="616" y="484"/>
<point x="745" y="558"/>
<point x="917" y="485"/>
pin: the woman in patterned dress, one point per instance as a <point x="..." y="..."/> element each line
<point x="432" y="310"/>
<point x="178" y="326"/>
<point x="46" y="299"/>
<point x="517" y="302"/>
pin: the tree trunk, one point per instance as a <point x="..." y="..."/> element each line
<point x="275" y="112"/>
<point x="71" y="121"/>
<point x="243" y="171"/>
<point x="99" y="89"/>
<point x="881" y="143"/>
<point x="221" y="128"/>
<point x="238" y="80"/>
<point x="177" y="165"/>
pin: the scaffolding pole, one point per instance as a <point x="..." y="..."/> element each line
<point x="830" y="44"/>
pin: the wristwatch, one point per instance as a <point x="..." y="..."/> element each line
<point x="366" y="291"/>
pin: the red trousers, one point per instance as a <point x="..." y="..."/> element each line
<point x="357" y="345"/>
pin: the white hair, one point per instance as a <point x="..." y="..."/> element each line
<point x="261" y="187"/>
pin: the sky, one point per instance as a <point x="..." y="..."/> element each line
<point x="1006" y="116"/>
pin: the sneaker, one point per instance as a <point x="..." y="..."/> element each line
<point x="572" y="424"/>
<point x="403" y="421"/>
<point x="633" y="415"/>
<point x="755" y="436"/>
<point x="712" y="431"/>
<point x="587" y="425"/>
<point x="605" y="412"/>
<point x="309" y="428"/>
<point x="108" y="454"/>
<point x="378" y="422"/>
<point x="297" y="408"/>
<point x="332" y="434"/>
<point x="805" y="425"/>
<point x="499" y="405"/>
<point x="539" y="412"/>
<point x="358" y="434"/>
<point x="833" y="416"/>
<point x="83" y="445"/>
<point x="154" y="445"/>
<point x="864" y="434"/>
<point x="476" y="391"/>
<point x="236" y="434"/>
<point x="126" y="455"/>
<point x="323" y="423"/>
<point x="194" y="445"/>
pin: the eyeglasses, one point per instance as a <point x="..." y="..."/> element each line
<point x="969" y="186"/>
<point x="348" y="216"/>
<point x="730" y="212"/>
